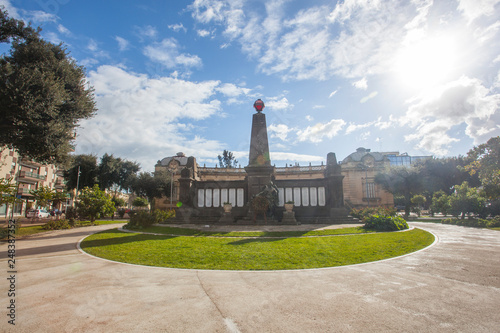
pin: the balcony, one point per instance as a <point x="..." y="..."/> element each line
<point x="60" y="184"/>
<point x="25" y="176"/>
<point x="24" y="192"/>
<point x="29" y="163"/>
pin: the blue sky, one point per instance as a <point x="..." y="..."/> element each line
<point x="421" y="76"/>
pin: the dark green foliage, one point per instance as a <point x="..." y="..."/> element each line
<point x="71" y="213"/>
<point x="88" y="172"/>
<point x="140" y="220"/>
<point x="140" y="202"/>
<point x="43" y="96"/>
<point x="14" y="29"/>
<point x="402" y="181"/>
<point x="121" y="212"/>
<point x="385" y="223"/>
<point x="476" y="223"/>
<point x="151" y="185"/>
<point x="368" y="211"/>
<point x="94" y="203"/>
<point x="227" y="160"/>
<point x="56" y="225"/>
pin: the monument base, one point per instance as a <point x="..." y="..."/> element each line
<point x="289" y="218"/>
<point x="226" y="218"/>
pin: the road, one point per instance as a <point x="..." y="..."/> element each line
<point x="452" y="286"/>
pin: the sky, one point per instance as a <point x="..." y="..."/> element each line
<point x="420" y="77"/>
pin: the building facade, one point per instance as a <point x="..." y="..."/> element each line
<point x="27" y="176"/>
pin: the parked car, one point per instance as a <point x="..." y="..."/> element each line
<point x="39" y="213"/>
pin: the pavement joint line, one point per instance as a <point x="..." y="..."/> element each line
<point x="78" y="245"/>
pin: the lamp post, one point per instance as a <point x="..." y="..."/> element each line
<point x="77" y="184"/>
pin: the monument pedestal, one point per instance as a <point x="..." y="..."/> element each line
<point x="289" y="218"/>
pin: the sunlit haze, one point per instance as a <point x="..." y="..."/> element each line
<point x="420" y="77"/>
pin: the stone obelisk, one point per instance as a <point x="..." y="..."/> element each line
<point x="259" y="169"/>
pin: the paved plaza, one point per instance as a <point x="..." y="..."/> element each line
<point x="453" y="286"/>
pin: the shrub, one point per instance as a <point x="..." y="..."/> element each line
<point x="494" y="223"/>
<point x="56" y="225"/>
<point x="364" y="213"/>
<point x="141" y="219"/>
<point x="121" y="212"/>
<point x="385" y="223"/>
<point x="71" y="213"/>
<point x="163" y="215"/>
<point x="476" y="223"/>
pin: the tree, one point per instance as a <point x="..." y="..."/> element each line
<point x="227" y="160"/>
<point x="43" y="196"/>
<point x="401" y="181"/>
<point x="484" y="160"/>
<point x="151" y="185"/>
<point x="140" y="202"/>
<point x="58" y="197"/>
<point x="43" y="96"/>
<point x="8" y="192"/>
<point x="108" y="173"/>
<point x="441" y="174"/>
<point x="466" y="200"/>
<point x="14" y="29"/>
<point x="88" y="172"/>
<point x="440" y="203"/>
<point x="418" y="202"/>
<point x="94" y="203"/>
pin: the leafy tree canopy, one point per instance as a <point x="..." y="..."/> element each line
<point x="484" y="160"/>
<point x="402" y="181"/>
<point x="8" y="192"/>
<point x="151" y="185"/>
<point x="227" y="160"/>
<point x="43" y="95"/>
<point x="94" y="203"/>
<point x="88" y="172"/>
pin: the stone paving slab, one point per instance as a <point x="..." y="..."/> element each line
<point x="453" y="286"/>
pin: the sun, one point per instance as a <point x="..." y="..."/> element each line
<point x="427" y="62"/>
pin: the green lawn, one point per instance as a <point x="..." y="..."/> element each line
<point x="252" y="253"/>
<point x="173" y="231"/>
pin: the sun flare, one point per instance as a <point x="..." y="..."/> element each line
<point x="427" y="62"/>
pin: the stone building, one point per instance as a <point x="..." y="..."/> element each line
<point x="27" y="175"/>
<point x="315" y="190"/>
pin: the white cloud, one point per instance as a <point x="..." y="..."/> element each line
<point x="464" y="101"/>
<point x="203" y="33"/>
<point x="39" y="16"/>
<point x="177" y="27"/>
<point x="146" y="32"/>
<point x="62" y="29"/>
<point x="123" y="44"/>
<point x="92" y="45"/>
<point x="370" y="96"/>
<point x="146" y="119"/>
<point x="361" y="84"/>
<point x="232" y="90"/>
<point x="12" y="11"/>
<point x="352" y="39"/>
<point x="376" y="123"/>
<point x="309" y="118"/>
<point x="279" y="131"/>
<point x="319" y="131"/>
<point x="315" y="107"/>
<point x="278" y="104"/>
<point x="473" y="9"/>
<point x="167" y="53"/>
<point x="332" y="94"/>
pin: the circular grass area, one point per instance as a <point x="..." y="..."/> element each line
<point x="258" y="253"/>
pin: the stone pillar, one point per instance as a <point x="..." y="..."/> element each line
<point x="259" y="169"/>
<point x="335" y="191"/>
